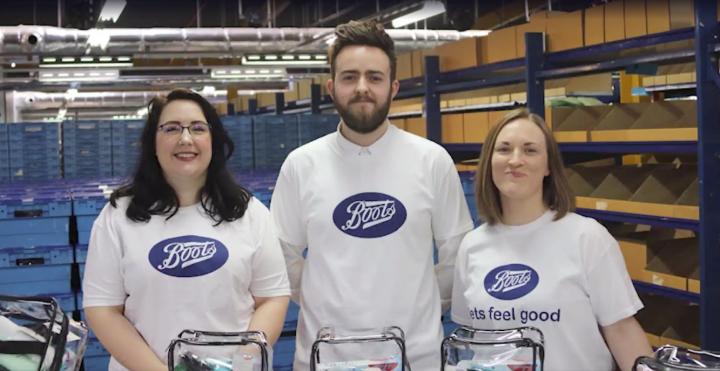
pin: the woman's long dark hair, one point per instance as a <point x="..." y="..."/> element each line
<point x="221" y="197"/>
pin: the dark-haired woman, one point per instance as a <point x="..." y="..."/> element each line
<point x="536" y="263"/>
<point x="182" y="245"/>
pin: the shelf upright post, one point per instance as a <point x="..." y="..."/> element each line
<point x="708" y="116"/>
<point x="279" y="103"/>
<point x="315" y="98"/>
<point x="534" y="60"/>
<point x="433" y="120"/>
<point x="252" y="106"/>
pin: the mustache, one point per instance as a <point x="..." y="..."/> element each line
<point x="361" y="99"/>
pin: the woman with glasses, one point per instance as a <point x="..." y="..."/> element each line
<point x="182" y="246"/>
<point x="536" y="263"/>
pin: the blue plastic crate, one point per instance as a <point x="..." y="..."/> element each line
<point x="17" y="206"/>
<point x="126" y="146"/>
<point x="35" y="280"/>
<point x="291" y="318"/>
<point x="448" y="325"/>
<point x="274" y="137"/>
<point x="66" y="301"/>
<point x="89" y="203"/>
<point x="96" y="363"/>
<point x="4" y="155"/>
<point x="34" y="151"/>
<point x="51" y="231"/>
<point x="40" y="255"/>
<point x="84" y="226"/>
<point x="314" y="126"/>
<point x="284" y="352"/>
<point x="87" y="148"/>
<point x="240" y="130"/>
<point x="94" y="348"/>
<point x="81" y="255"/>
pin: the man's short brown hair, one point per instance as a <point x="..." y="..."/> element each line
<point x="556" y="189"/>
<point x="368" y="33"/>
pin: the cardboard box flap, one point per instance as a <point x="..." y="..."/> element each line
<point x="678" y="257"/>
<point x="685" y="325"/>
<point x="654" y="316"/>
<point x="584" y="180"/>
<point x="691" y="195"/>
<point x="578" y="118"/>
<point x="667" y="114"/>
<point x="621" y="116"/>
<point x="665" y="184"/>
<point x="622" y="182"/>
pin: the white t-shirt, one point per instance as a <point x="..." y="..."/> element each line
<point x="565" y="277"/>
<point x="183" y="273"/>
<point x="368" y="216"/>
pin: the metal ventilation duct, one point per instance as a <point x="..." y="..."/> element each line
<point x="37" y="100"/>
<point x="54" y="41"/>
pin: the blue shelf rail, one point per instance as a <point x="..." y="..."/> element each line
<point x="538" y="66"/>
<point x="649" y="288"/>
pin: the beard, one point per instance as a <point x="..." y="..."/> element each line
<point x="360" y="121"/>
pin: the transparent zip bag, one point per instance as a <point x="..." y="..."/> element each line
<point x="359" y="350"/>
<point x="35" y="335"/>
<point x="515" y="349"/>
<point x="672" y="358"/>
<point x="195" y="350"/>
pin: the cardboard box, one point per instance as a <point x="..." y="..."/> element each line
<point x="266" y="99"/>
<point x="658" y="16"/>
<point x="501" y="45"/>
<point x="583" y="180"/>
<point x="665" y="184"/>
<point x="684" y="328"/>
<point x="622" y="182"/>
<point x="291" y="94"/>
<point x="399" y="123"/>
<point x="482" y="49"/>
<point x="494" y="117"/>
<point x="635" y="255"/>
<point x="303" y="87"/>
<point x="682" y="14"/>
<point x="418" y="63"/>
<point x="458" y="54"/>
<point x="537" y="24"/>
<point x="671" y="262"/>
<point x="614" y="124"/>
<point x="475" y="127"/>
<point x="416" y="125"/>
<point x="594" y="25"/>
<point x="635" y="18"/>
<point x="452" y="128"/>
<point x="564" y="30"/>
<point x="614" y="21"/>
<point x="573" y="124"/>
<point x="404" y="66"/>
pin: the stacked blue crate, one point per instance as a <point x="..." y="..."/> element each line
<point x="35" y="253"/>
<point x="311" y="126"/>
<point x="240" y="130"/>
<point x="274" y="136"/>
<point x="283" y="353"/>
<point x="87" y="150"/>
<point x="34" y="151"/>
<point x="4" y="155"/>
<point x="467" y="179"/>
<point x="126" y="137"/>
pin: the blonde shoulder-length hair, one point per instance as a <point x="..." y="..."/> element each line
<point x="556" y="190"/>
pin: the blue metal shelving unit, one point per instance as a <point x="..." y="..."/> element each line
<point x="576" y="62"/>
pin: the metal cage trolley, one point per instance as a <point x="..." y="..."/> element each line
<point x="35" y="334"/>
<point x="327" y="336"/>
<point x="515" y="349"/>
<point x="672" y="358"/>
<point x="195" y="350"/>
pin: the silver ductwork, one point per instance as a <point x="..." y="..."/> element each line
<point x="38" y="100"/>
<point x="54" y="41"/>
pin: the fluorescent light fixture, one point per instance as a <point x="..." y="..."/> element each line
<point x="304" y="59"/>
<point x="48" y="60"/>
<point x="253" y="57"/>
<point x="321" y="57"/>
<point x="75" y="75"/>
<point x="86" y="59"/>
<point x="288" y="57"/>
<point x="123" y="59"/>
<point x="111" y="10"/>
<point x="105" y="59"/>
<point x="271" y="57"/>
<point x="207" y="89"/>
<point x="85" y="65"/>
<point x="428" y="9"/>
<point x="68" y="59"/>
<point x="248" y="74"/>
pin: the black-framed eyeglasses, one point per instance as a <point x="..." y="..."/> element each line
<point x="197" y="128"/>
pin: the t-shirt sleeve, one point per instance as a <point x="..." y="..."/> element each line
<point x="459" y="309"/>
<point x="103" y="280"/>
<point x="611" y="290"/>
<point x="285" y="207"/>
<point x="269" y="277"/>
<point x="450" y="216"/>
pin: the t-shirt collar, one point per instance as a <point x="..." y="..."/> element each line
<point x="349" y="148"/>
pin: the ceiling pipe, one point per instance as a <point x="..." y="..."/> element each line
<point x="39" y="100"/>
<point x="54" y="41"/>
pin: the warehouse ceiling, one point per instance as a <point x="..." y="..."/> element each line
<point x="211" y="44"/>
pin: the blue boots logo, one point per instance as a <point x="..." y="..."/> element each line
<point x="188" y="256"/>
<point x="369" y="215"/>
<point x="510" y="282"/>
